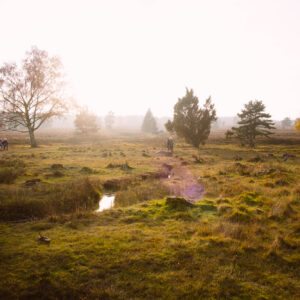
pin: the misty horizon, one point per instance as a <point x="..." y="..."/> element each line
<point x="128" y="56"/>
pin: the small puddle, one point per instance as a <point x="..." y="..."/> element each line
<point x="106" y="202"/>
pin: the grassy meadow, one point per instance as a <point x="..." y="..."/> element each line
<point x="241" y="240"/>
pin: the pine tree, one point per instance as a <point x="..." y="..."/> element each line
<point x="191" y="122"/>
<point x="254" y="122"/>
<point x="149" y="124"/>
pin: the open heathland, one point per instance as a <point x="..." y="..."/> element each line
<point x="221" y="223"/>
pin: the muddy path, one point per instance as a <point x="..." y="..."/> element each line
<point x="178" y="178"/>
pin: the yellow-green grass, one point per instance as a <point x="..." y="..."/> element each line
<point x="241" y="241"/>
<point x="151" y="251"/>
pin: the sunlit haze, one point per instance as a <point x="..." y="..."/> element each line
<point x="127" y="56"/>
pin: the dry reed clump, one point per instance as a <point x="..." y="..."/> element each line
<point x="296" y="228"/>
<point x="204" y="230"/>
<point x="238" y="168"/>
<point x="240" y="216"/>
<point x="234" y="231"/>
<point x="282" y="208"/>
<point x="282" y="192"/>
<point x="9" y="174"/>
<point x="251" y="198"/>
<point x="144" y="191"/>
<point x="228" y="288"/>
<point x="269" y="184"/>
<point x="232" y="189"/>
<point x="11" y="169"/>
<point x="296" y="194"/>
<point x="15" y="163"/>
<point x="281" y="243"/>
<point x="45" y="200"/>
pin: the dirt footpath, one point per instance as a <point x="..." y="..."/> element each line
<point x="178" y="178"/>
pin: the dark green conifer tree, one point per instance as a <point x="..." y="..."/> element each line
<point x="254" y="122"/>
<point x="190" y="121"/>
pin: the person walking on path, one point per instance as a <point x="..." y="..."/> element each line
<point x="170" y="144"/>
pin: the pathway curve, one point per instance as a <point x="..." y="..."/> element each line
<point x="178" y="178"/>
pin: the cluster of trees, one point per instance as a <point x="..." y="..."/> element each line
<point x="34" y="92"/>
<point x="193" y="123"/>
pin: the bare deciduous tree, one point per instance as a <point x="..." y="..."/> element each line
<point x="32" y="93"/>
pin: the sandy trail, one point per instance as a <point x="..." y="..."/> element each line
<point x="181" y="181"/>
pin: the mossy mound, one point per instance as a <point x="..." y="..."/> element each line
<point x="224" y="208"/>
<point x="57" y="167"/>
<point x="178" y="203"/>
<point x="86" y="170"/>
<point x="250" y="198"/>
<point x="207" y="205"/>
<point x="239" y="217"/>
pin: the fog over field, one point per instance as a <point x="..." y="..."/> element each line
<point x="127" y="56"/>
<point x="150" y="149"/>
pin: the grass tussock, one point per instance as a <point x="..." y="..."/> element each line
<point x="140" y="192"/>
<point x="282" y="208"/>
<point x="8" y="175"/>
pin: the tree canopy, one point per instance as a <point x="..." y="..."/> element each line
<point x="86" y="122"/>
<point x="32" y="93"/>
<point x="254" y="122"/>
<point x="149" y="123"/>
<point x="190" y="121"/>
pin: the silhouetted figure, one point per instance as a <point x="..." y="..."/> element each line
<point x="4" y="144"/>
<point x="170" y="144"/>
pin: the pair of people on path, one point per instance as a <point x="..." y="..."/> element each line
<point x="4" y="144"/>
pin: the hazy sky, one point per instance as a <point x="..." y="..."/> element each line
<point x="128" y="55"/>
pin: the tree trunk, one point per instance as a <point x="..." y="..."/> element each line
<point x="32" y="138"/>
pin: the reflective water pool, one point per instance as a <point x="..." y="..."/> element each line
<point x="106" y="202"/>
